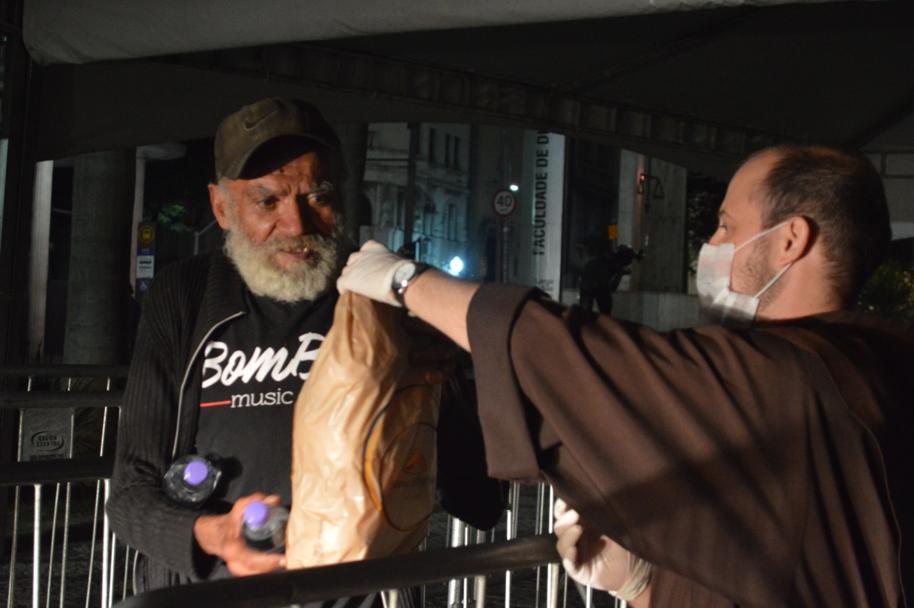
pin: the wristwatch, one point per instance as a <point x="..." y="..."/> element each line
<point x="404" y="275"/>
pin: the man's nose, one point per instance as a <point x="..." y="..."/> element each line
<point x="717" y="238"/>
<point x="294" y="217"/>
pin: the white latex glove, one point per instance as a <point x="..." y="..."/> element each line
<point x="370" y="272"/>
<point x="595" y="559"/>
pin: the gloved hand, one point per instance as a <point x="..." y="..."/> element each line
<point x="370" y="272"/>
<point x="595" y="559"/>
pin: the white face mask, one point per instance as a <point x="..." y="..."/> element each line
<point x="718" y="302"/>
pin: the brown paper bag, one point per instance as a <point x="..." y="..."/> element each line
<point x="363" y="444"/>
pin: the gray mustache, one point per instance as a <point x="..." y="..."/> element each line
<point x="310" y="241"/>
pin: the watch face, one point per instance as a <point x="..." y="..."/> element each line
<point x="404" y="273"/>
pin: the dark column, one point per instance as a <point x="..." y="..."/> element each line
<point x="353" y="140"/>
<point x="97" y="293"/>
<point x="18" y="123"/>
<point x="15" y="219"/>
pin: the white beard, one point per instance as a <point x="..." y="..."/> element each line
<point x="305" y="280"/>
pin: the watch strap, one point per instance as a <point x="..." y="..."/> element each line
<point x="399" y="289"/>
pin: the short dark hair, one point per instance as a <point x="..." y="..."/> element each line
<point x="841" y="193"/>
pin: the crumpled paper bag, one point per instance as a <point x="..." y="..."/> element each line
<point x="363" y="444"/>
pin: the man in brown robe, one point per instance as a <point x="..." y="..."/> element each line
<point x="758" y="462"/>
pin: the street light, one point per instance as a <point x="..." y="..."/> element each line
<point x="455" y="266"/>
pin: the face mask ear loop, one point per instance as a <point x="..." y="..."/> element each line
<point x="773" y="280"/>
<point x="759" y="235"/>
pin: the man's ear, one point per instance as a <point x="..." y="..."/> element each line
<point x="797" y="237"/>
<point x="218" y="203"/>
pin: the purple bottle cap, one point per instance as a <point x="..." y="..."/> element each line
<point x="256" y="514"/>
<point x="195" y="472"/>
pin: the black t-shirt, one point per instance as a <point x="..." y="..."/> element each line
<point x="252" y="372"/>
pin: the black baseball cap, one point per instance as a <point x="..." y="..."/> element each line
<point x="242" y="133"/>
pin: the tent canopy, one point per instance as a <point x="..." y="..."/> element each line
<point x="93" y="30"/>
<point x="700" y="87"/>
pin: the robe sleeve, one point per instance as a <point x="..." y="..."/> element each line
<point x="686" y="447"/>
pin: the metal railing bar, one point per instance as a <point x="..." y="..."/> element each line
<point x="354" y="578"/>
<point x="565" y="593"/>
<point x="59" y="399"/>
<point x="454" y="586"/>
<point x="511" y="531"/>
<point x="52" y="549"/>
<point x="112" y="560"/>
<point x="106" y="548"/>
<point x="95" y="510"/>
<point x="14" y="545"/>
<point x="552" y="570"/>
<point x="56" y="471"/>
<point x="98" y="491"/>
<point x="111" y="537"/>
<point x="538" y="529"/>
<point x="36" y="547"/>
<point x="66" y="540"/>
<point x="13" y="556"/>
<point x="63" y="370"/>
<point x="66" y="509"/>
<point x="552" y="585"/>
<point x="126" y="572"/>
<point x="480" y="582"/>
<point x="133" y="587"/>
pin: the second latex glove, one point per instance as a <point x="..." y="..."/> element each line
<point x="370" y="272"/>
<point x="595" y="559"/>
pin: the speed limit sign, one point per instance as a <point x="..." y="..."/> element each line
<point x="503" y="203"/>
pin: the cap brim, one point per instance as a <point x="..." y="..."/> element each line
<point x="236" y="168"/>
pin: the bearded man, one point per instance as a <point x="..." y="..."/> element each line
<point x="225" y="343"/>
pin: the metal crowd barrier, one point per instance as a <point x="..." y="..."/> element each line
<point x="81" y="563"/>
<point x="354" y="578"/>
<point x="73" y="554"/>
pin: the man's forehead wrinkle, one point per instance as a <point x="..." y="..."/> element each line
<point x="261" y="190"/>
<point x="312" y="175"/>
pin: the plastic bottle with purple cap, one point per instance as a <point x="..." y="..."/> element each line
<point x="264" y="527"/>
<point x="191" y="480"/>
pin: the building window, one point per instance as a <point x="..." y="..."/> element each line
<point x="456" y="152"/>
<point x="401" y="205"/>
<point x="447" y="149"/>
<point x="452" y="222"/>
<point x="431" y="146"/>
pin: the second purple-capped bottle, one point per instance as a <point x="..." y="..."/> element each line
<point x="264" y="527"/>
